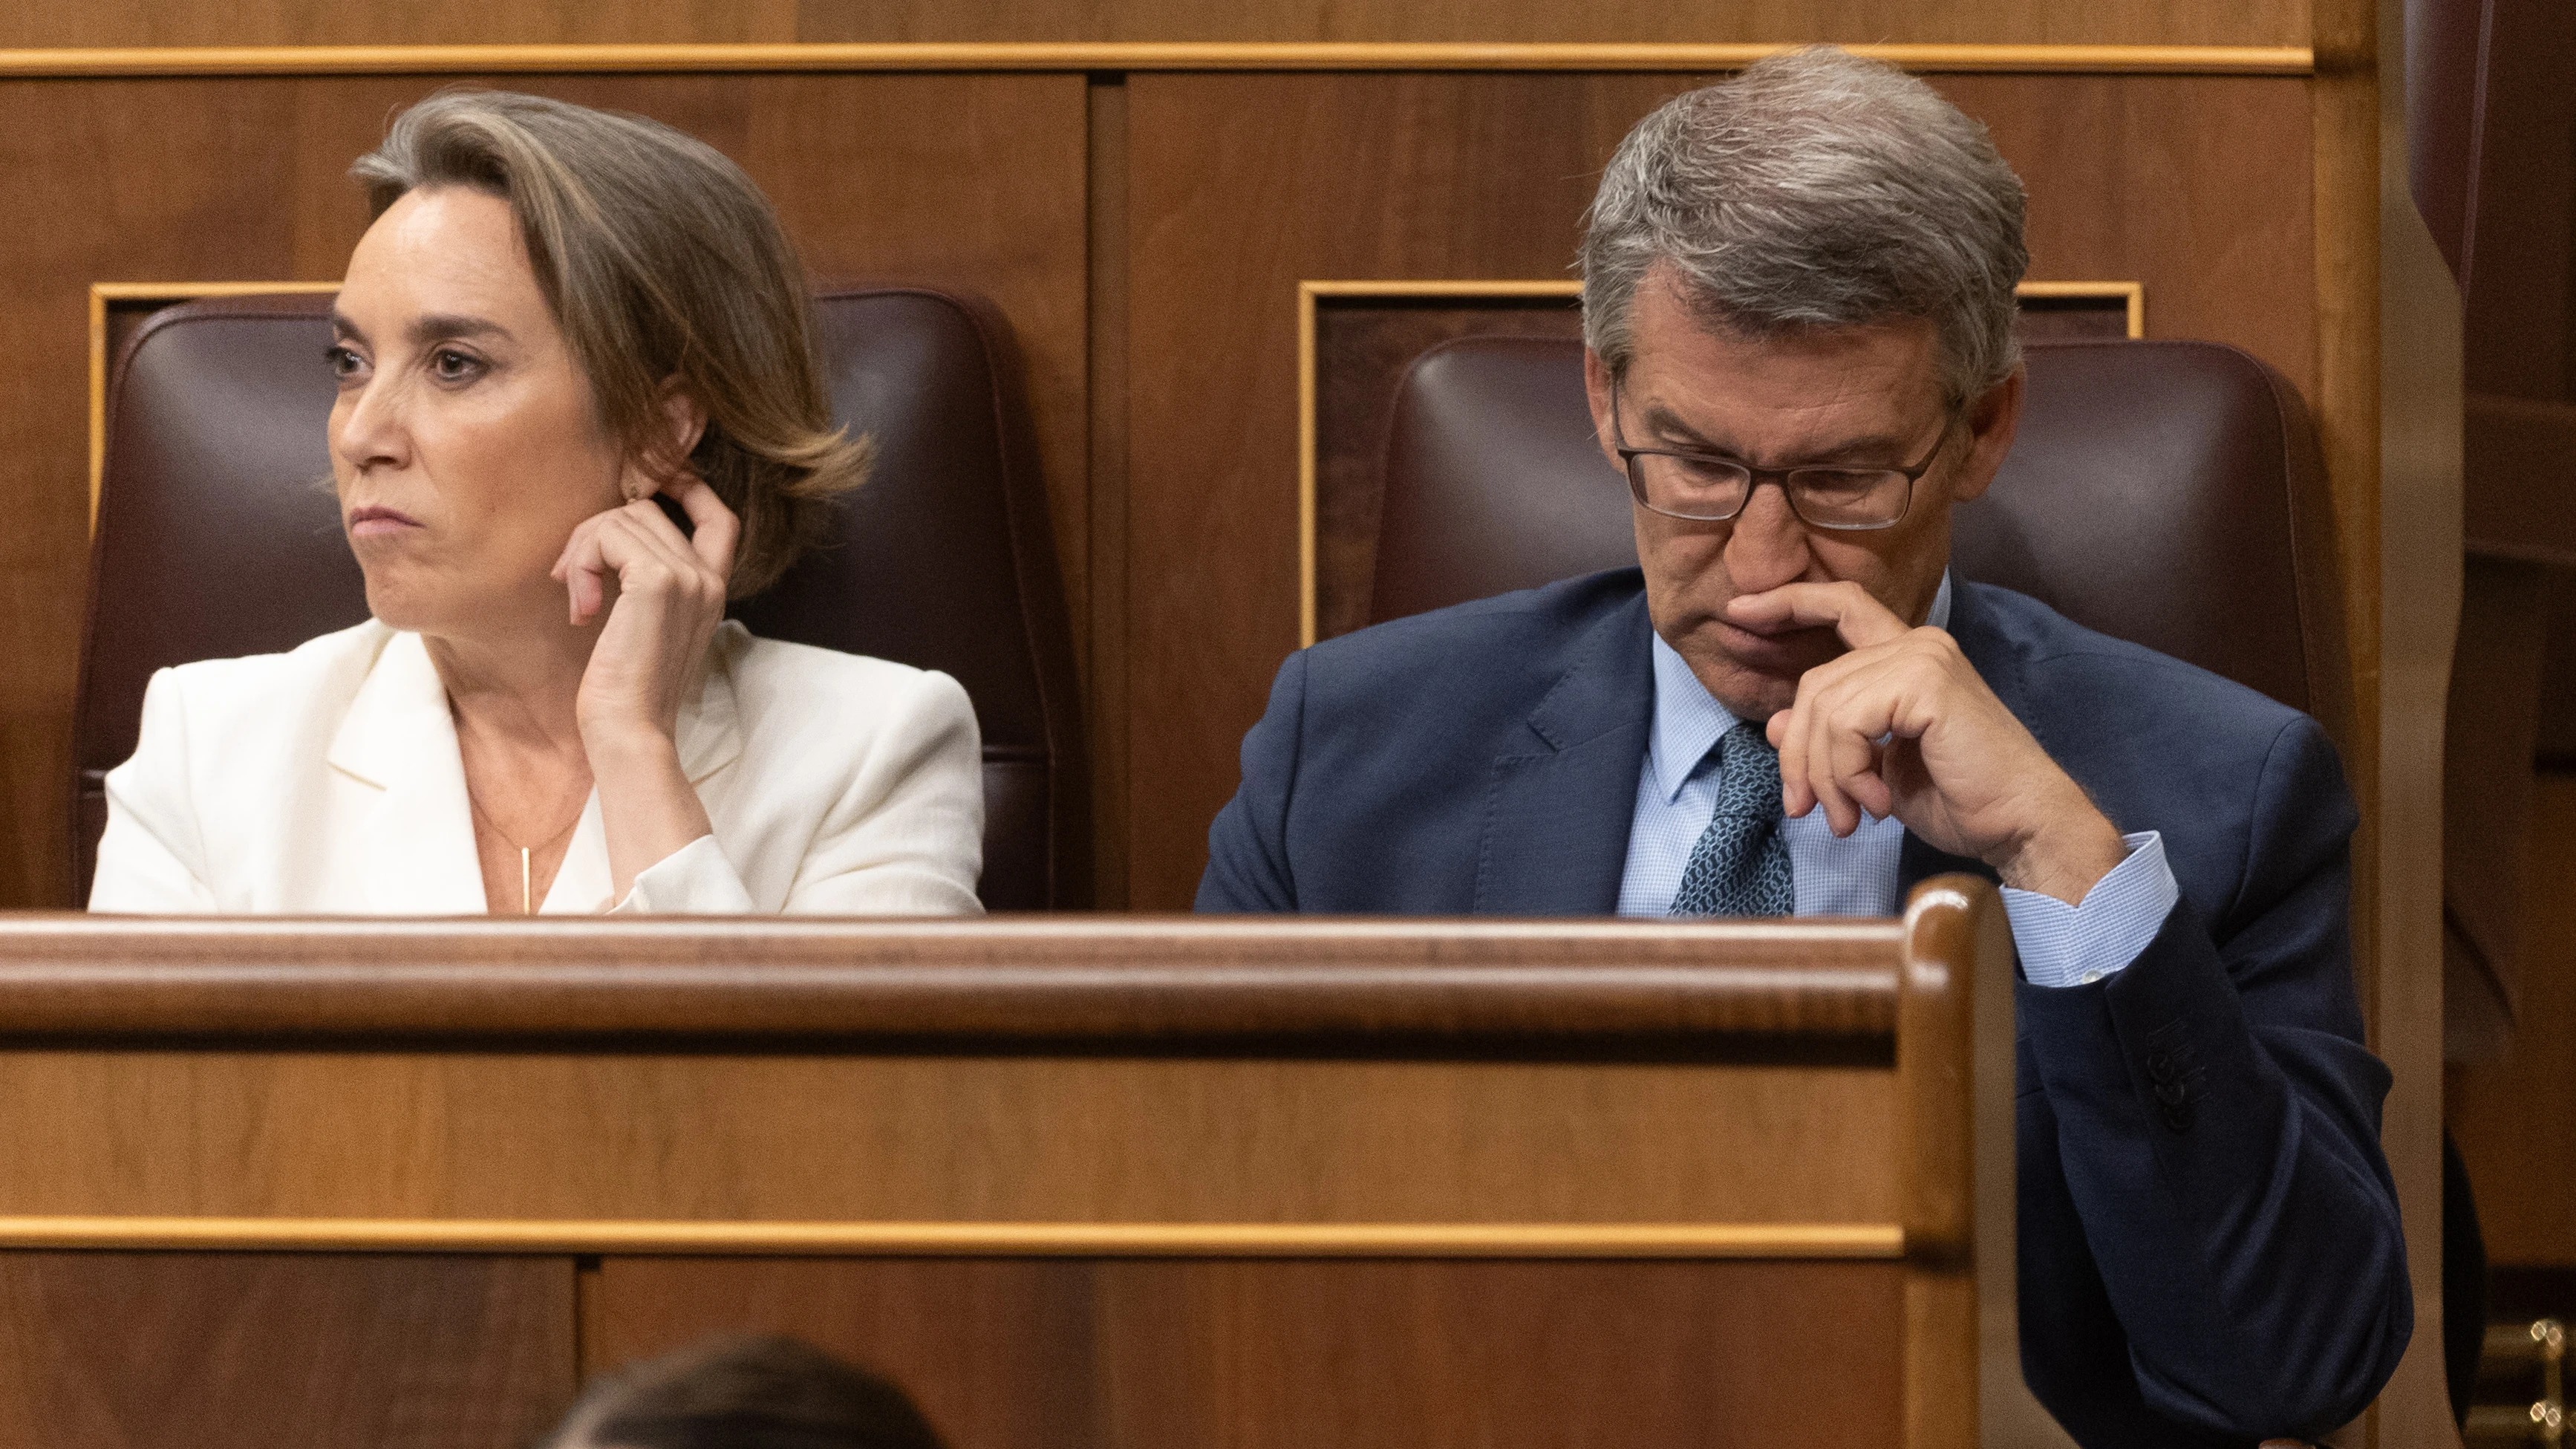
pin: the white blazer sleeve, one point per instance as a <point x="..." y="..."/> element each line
<point x="151" y="860"/>
<point x="904" y="837"/>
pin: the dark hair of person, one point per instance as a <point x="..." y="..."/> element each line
<point x="744" y="1393"/>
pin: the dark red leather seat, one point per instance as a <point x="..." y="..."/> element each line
<point x="2169" y="493"/>
<point x="217" y="535"/>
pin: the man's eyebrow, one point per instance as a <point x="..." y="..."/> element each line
<point x="1666" y="426"/>
<point x="341" y="326"/>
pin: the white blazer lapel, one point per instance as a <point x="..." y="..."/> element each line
<point x="417" y="839"/>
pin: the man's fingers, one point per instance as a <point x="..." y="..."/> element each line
<point x="1783" y="733"/>
<point x="1846" y="608"/>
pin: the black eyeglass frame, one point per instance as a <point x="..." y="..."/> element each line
<point x="1756" y="477"/>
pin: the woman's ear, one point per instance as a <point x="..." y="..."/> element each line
<point x="684" y="418"/>
<point x="680" y="421"/>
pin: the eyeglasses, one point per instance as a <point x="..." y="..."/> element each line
<point x="1710" y="488"/>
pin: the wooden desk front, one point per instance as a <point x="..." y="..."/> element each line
<point x="1074" y="1181"/>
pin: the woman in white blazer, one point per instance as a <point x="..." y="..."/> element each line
<point x="559" y="319"/>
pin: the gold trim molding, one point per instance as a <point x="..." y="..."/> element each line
<point x="2295" y="60"/>
<point x="967" y="1239"/>
<point x="2132" y="294"/>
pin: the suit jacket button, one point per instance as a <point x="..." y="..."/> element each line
<point x="2171" y="1093"/>
<point x="2160" y="1066"/>
<point x="2177" y="1116"/>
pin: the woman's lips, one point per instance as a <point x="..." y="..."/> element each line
<point x="373" y="522"/>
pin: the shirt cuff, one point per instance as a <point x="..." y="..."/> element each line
<point x="2077" y="945"/>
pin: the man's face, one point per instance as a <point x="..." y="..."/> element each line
<point x="1859" y="396"/>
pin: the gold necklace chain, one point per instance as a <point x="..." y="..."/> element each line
<point x="527" y="866"/>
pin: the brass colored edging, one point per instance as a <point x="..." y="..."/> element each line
<point x="2288" y="60"/>
<point x="2134" y="294"/>
<point x="100" y="295"/>
<point x="967" y="1239"/>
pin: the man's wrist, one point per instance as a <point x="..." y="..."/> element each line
<point x="2065" y="859"/>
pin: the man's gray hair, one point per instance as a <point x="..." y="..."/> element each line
<point x="1817" y="189"/>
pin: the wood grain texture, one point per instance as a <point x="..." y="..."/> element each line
<point x="1370" y="1356"/>
<point x="1098" y="57"/>
<point x="592" y="1135"/>
<point x="1504" y="988"/>
<point x="1432" y="176"/>
<point x="318" y="22"/>
<point x="1660" y="1242"/>
<point x="2516" y="1120"/>
<point x="252" y="186"/>
<point x="145" y="1350"/>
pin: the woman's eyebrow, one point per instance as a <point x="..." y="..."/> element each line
<point x="341" y="326"/>
<point x="452" y="327"/>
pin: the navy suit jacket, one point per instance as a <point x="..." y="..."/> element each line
<point x="2209" y="1241"/>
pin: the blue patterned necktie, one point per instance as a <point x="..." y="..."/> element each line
<point x="1740" y="867"/>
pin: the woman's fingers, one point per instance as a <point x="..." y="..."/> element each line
<point x="716" y="530"/>
<point x="582" y="567"/>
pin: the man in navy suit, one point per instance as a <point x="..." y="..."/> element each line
<point x="1799" y="311"/>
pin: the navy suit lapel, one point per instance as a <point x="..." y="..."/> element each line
<point x="1557" y="821"/>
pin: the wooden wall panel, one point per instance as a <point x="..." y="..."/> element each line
<point x="324" y="22"/>
<point x="900" y="1139"/>
<point x="1174" y="1355"/>
<point x="1426" y="176"/>
<point x="218" y="179"/>
<point x="261" y="1351"/>
<point x="2516" y="1121"/>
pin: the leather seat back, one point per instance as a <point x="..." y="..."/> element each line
<point x="2168" y="493"/>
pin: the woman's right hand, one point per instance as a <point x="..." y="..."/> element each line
<point x="665" y="595"/>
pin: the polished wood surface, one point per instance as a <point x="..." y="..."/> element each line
<point x="1384" y="1182"/>
<point x="1463" y="984"/>
<point x="1435" y="176"/>
<point x="305" y="22"/>
<point x="1365" y="1356"/>
<point x="1118" y="56"/>
<point x="591" y="1135"/>
<point x="2516" y="1119"/>
<point x="1671" y="1242"/>
<point x="301" y="1351"/>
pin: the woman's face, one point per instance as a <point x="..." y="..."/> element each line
<point x="465" y="444"/>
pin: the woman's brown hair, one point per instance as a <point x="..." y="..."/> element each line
<point x="665" y="266"/>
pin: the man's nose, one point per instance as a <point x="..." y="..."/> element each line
<point x="1768" y="545"/>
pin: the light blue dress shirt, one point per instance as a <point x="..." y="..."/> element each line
<point x="2059" y="944"/>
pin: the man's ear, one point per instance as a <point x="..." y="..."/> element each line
<point x="1596" y="389"/>
<point x="1993" y="417"/>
